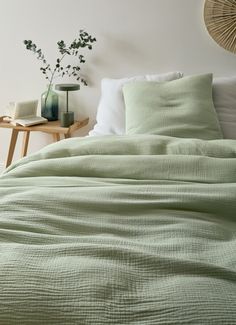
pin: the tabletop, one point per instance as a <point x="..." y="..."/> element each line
<point x="50" y="127"/>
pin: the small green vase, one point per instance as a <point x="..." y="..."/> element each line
<point x="49" y="104"/>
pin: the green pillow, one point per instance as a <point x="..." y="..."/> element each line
<point x="181" y="108"/>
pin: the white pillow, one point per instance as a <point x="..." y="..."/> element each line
<point x="224" y="97"/>
<point x="111" y="108"/>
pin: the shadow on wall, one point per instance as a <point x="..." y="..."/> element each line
<point x="118" y="57"/>
<point x="115" y="55"/>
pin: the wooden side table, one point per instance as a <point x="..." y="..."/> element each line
<point x="53" y="128"/>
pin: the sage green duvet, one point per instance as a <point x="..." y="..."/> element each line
<point x="120" y="230"/>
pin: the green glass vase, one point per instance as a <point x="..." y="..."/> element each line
<point x="49" y="104"/>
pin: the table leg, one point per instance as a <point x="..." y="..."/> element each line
<point x="12" y="146"/>
<point x="56" y="137"/>
<point x="25" y="143"/>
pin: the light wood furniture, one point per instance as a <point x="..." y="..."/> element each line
<point x="52" y="128"/>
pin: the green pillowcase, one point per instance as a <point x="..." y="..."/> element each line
<point x="181" y="108"/>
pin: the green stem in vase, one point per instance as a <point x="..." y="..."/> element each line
<point x="83" y="41"/>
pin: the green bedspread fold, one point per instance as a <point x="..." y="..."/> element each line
<point x="120" y="230"/>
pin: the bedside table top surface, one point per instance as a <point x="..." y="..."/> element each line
<point x="50" y="127"/>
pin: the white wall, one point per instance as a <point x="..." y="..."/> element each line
<point x="134" y="37"/>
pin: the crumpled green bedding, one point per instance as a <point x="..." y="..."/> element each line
<point x="120" y="230"/>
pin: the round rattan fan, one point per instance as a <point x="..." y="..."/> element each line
<point x="220" y="20"/>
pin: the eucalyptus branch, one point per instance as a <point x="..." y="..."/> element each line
<point x="84" y="40"/>
<point x="53" y="75"/>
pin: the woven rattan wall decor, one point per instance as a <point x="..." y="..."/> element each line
<point x="220" y="20"/>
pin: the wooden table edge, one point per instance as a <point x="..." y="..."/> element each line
<point x="46" y="127"/>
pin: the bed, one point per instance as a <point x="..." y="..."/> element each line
<point x="131" y="229"/>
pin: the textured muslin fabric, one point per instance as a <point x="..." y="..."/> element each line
<point x="120" y="230"/>
<point x="111" y="109"/>
<point x="180" y="108"/>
